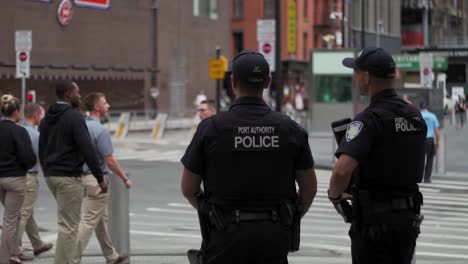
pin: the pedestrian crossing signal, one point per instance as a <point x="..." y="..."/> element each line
<point x="31" y="97"/>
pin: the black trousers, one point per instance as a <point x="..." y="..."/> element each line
<point x="430" y="153"/>
<point x="263" y="242"/>
<point x="384" y="244"/>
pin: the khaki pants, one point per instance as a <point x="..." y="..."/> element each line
<point x="12" y="197"/>
<point x="68" y="192"/>
<point x="94" y="219"/>
<point x="27" y="213"/>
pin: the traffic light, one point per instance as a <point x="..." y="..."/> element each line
<point x="31" y="97"/>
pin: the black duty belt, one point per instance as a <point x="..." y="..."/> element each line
<point x="243" y="216"/>
<point x="395" y="204"/>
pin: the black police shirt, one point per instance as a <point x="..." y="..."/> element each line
<point x="389" y="148"/>
<point x="251" y="151"/>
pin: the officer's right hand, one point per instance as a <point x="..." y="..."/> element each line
<point x="104" y="185"/>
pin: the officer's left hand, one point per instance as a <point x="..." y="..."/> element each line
<point x="343" y="196"/>
<point x="346" y="196"/>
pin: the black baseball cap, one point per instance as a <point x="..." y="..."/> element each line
<point x="250" y="67"/>
<point x="374" y="60"/>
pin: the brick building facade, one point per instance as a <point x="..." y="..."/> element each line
<point x="112" y="50"/>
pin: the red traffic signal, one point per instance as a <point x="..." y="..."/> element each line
<point x="31" y="96"/>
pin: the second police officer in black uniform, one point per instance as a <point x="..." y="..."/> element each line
<point x="387" y="142"/>
<point x="248" y="159"/>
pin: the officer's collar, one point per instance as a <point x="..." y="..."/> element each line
<point x="249" y="100"/>
<point x="383" y="94"/>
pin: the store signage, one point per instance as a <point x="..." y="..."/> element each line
<point x="292" y="26"/>
<point x="99" y="4"/>
<point x="411" y="63"/>
<point x="65" y="12"/>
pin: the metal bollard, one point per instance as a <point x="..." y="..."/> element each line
<point x="441" y="157"/>
<point x="119" y="215"/>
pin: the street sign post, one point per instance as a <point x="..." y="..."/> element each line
<point x="267" y="48"/>
<point x="22" y="64"/>
<point x="23" y="45"/>
<point x="426" y="63"/>
<point x="266" y="40"/>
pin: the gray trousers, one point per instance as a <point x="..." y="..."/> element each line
<point x="12" y="197"/>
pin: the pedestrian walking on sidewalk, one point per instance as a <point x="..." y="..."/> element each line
<point x="387" y="141"/>
<point x="94" y="218"/>
<point x="460" y="109"/>
<point x="432" y="139"/>
<point x="16" y="158"/>
<point x="249" y="159"/>
<point x="33" y="115"/>
<point x="64" y="146"/>
<point x="206" y="109"/>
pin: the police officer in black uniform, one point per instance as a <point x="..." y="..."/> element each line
<point x="387" y="142"/>
<point x="249" y="159"/>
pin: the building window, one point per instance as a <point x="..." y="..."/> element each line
<point x="305" y="48"/>
<point x="371" y="11"/>
<point x="238" y="8"/>
<point x="356" y="14"/>
<point x="206" y="8"/>
<point x="269" y="8"/>
<point x="238" y="42"/>
<point x="306" y="7"/>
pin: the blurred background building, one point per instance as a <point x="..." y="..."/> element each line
<point x="152" y="56"/>
<point x="149" y="54"/>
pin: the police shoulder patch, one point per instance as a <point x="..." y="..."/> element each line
<point x="354" y="128"/>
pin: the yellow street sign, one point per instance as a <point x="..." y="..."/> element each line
<point x="217" y="68"/>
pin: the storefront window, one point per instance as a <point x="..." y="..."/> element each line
<point x="333" y="89"/>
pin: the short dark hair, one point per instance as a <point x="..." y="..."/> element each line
<point x="210" y="102"/>
<point x="9" y="104"/>
<point x="62" y="87"/>
<point x="92" y="99"/>
<point x="30" y="109"/>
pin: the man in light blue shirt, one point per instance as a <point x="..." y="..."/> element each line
<point x="432" y="145"/>
<point x="94" y="217"/>
<point x="33" y="114"/>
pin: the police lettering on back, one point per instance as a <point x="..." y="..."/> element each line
<point x="256" y="138"/>
<point x="403" y="126"/>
